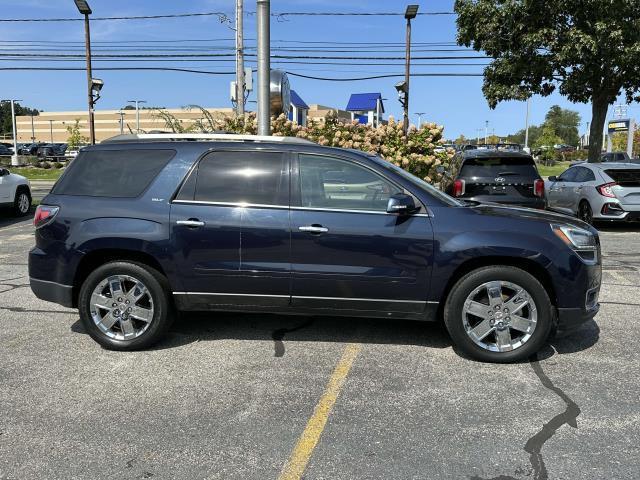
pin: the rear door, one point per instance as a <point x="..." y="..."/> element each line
<point x="500" y="179"/>
<point x="230" y="224"/>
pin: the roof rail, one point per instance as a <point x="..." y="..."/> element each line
<point x="223" y="137"/>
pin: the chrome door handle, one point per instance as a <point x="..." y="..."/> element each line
<point x="313" y="229"/>
<point x="190" y="223"/>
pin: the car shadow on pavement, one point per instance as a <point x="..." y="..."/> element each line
<point x="617" y="227"/>
<point x="203" y="327"/>
<point x="8" y="217"/>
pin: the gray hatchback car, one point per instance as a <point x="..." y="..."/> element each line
<point x="597" y="191"/>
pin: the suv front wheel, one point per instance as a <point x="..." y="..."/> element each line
<point x="499" y="314"/>
<point x="124" y="305"/>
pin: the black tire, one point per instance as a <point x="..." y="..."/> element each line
<point x="22" y="201"/>
<point x="453" y="313"/>
<point x="159" y="290"/>
<point x="585" y="213"/>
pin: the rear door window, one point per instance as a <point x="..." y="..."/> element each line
<point x="498" y="167"/>
<point x="242" y="177"/>
<point x="584" y="175"/>
<point x="112" y="173"/>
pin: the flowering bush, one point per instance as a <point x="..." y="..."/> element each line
<point x="416" y="153"/>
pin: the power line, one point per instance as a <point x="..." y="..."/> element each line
<point x="223" y="17"/>
<point x="206" y="55"/>
<point x="375" y="77"/>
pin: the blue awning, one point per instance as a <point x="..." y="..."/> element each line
<point x="364" y="102"/>
<point x="297" y="101"/>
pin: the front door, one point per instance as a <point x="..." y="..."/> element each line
<point x="347" y="252"/>
<point x="230" y="230"/>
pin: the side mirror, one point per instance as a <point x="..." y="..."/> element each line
<point x="553" y="178"/>
<point x="401" y="203"/>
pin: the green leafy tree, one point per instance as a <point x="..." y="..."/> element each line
<point x="6" y="124"/>
<point x="76" y="139"/>
<point x="565" y="123"/>
<point x="461" y="140"/>
<point x="588" y="49"/>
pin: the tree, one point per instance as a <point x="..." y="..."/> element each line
<point x="588" y="49"/>
<point x="461" y="140"/>
<point x="565" y="124"/>
<point x="76" y="139"/>
<point x="6" y="124"/>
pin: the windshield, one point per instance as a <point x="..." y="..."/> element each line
<point x="440" y="195"/>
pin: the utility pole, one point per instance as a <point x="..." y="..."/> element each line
<point x="410" y="13"/>
<point x="239" y="59"/>
<point x="33" y="133"/>
<point x="419" y="114"/>
<point x="526" y="125"/>
<point x="51" y="130"/>
<point x="137" y="102"/>
<point x="264" y="66"/>
<point x="84" y="9"/>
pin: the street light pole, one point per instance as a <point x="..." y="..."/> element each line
<point x="121" y="113"/>
<point x="410" y="13"/>
<point x="419" y="114"/>
<point x="33" y="132"/>
<point x="14" y="157"/>
<point x="526" y="125"/>
<point x="239" y="59"/>
<point x="486" y="131"/>
<point x="264" y="66"/>
<point x="51" y="130"/>
<point x="84" y="9"/>
<point x="137" y="102"/>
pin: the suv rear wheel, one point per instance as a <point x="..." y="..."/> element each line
<point x="124" y="305"/>
<point x="498" y="314"/>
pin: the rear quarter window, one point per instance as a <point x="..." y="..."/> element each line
<point x="498" y="166"/>
<point x="112" y="173"/>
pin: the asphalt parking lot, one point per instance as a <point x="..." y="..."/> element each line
<point x="250" y="396"/>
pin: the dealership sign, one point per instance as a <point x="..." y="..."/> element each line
<point x="618" y="126"/>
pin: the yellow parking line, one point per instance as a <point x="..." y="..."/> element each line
<point x="297" y="463"/>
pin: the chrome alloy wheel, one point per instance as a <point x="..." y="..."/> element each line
<point x="121" y="307"/>
<point x="23" y="203"/>
<point x="499" y="316"/>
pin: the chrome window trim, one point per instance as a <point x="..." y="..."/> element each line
<point x="283" y="207"/>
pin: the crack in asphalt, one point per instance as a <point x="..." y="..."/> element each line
<point x="29" y="310"/>
<point x="279" y="334"/>
<point x="534" y="445"/>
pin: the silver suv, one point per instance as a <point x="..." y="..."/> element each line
<point x="597" y="191"/>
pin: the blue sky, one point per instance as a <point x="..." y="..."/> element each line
<point x="455" y="102"/>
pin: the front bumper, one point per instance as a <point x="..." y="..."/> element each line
<point x="570" y="319"/>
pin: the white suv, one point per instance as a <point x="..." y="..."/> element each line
<point x="15" y="191"/>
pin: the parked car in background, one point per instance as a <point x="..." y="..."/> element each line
<point x="597" y="191"/>
<point x="5" y="151"/>
<point x="52" y="150"/>
<point x="499" y="176"/>
<point x="29" y="148"/>
<point x="15" y="192"/>
<point x="617" y="157"/>
<point x="144" y="225"/>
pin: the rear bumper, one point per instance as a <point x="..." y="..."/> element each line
<point x="52" y="291"/>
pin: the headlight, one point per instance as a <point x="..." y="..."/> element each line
<point x="578" y="239"/>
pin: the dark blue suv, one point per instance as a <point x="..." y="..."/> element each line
<point x="140" y="227"/>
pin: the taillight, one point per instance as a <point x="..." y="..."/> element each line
<point x="606" y="190"/>
<point x="458" y="188"/>
<point x="538" y="188"/>
<point x="44" y="214"/>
